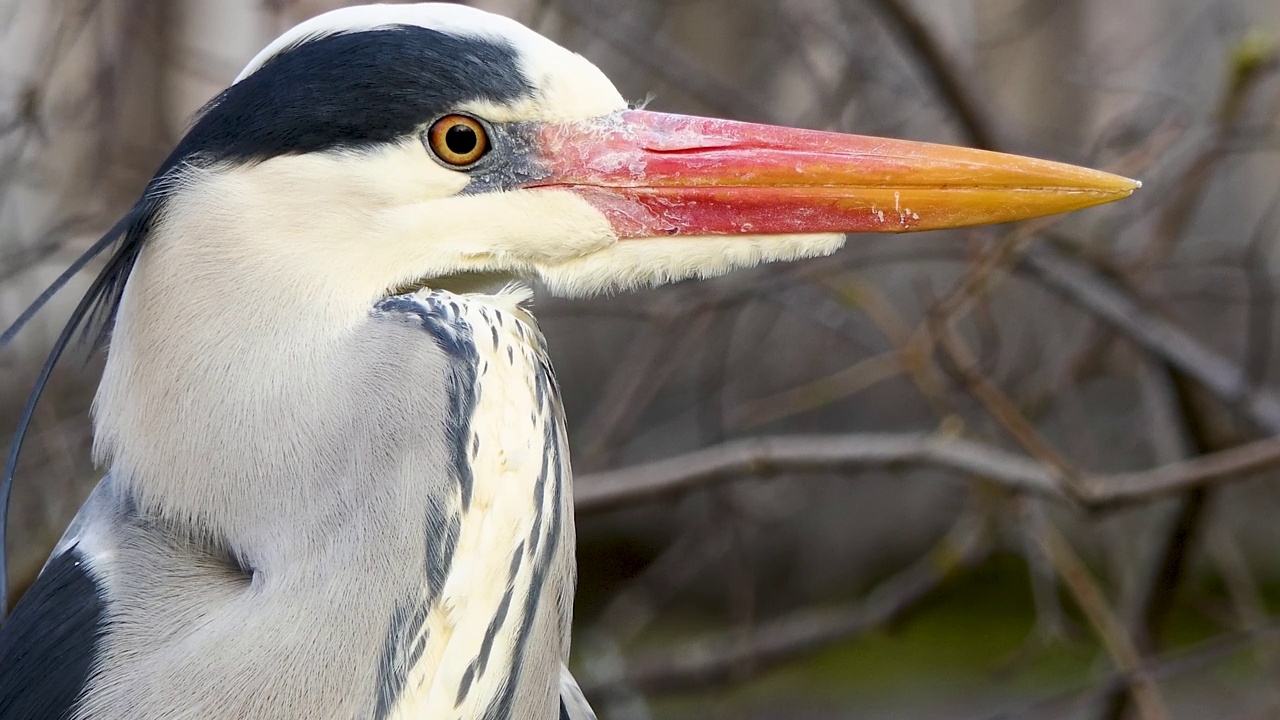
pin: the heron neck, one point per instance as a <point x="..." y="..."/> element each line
<point x="420" y="456"/>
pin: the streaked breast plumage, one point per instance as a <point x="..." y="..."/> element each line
<point x="485" y="641"/>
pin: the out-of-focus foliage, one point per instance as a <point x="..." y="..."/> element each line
<point x="1117" y="340"/>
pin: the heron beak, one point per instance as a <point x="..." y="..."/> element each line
<point x="656" y="174"/>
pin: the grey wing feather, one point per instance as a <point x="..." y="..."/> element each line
<point x="573" y="706"/>
<point x="49" y="644"/>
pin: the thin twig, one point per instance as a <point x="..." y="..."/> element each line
<point x="1001" y="407"/>
<point x="1225" y="379"/>
<point x="655" y="354"/>
<point x="1088" y="594"/>
<point x="943" y="69"/>
<point x="727" y="659"/>
<point x="664" y="59"/>
<point x="1186" y="661"/>
<point x="818" y="393"/>
<point x="1089" y="597"/>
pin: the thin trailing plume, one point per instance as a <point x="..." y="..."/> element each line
<point x="93" y="316"/>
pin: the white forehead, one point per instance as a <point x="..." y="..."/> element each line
<point x="568" y="86"/>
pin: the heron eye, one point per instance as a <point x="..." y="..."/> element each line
<point x="458" y="140"/>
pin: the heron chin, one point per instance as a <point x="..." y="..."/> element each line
<point x="336" y="482"/>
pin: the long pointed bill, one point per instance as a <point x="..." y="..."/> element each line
<point x="655" y="174"/>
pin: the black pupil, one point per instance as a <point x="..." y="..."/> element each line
<point x="461" y="139"/>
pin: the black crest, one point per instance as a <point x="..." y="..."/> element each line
<point x="351" y="91"/>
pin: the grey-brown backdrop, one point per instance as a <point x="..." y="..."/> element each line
<point x="1015" y="472"/>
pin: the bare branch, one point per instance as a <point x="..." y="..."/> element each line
<point x="943" y="70"/>
<point x="657" y="352"/>
<point x="817" y="393"/>
<point x="664" y="59"/>
<point x="1093" y="603"/>
<point x="1001" y="407"/>
<point x="1225" y="379"/>
<point x="1195" y="659"/>
<point x="602" y="492"/>
<point x="1234" y="463"/>
<point x="763" y="456"/>
<point x="733" y="658"/>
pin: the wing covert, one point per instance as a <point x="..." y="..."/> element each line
<point x="49" y="643"/>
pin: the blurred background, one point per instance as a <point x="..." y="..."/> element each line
<point x="1017" y="472"/>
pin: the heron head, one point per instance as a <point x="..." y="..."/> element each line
<point x="374" y="149"/>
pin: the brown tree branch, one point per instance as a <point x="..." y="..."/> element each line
<point x="663" y="58"/>
<point x="1000" y="406"/>
<point x="943" y="70"/>
<point x="1115" y="638"/>
<point x="656" y="353"/>
<point x="733" y="460"/>
<point x="1225" y="379"/>
<point x="732" y="658"/>
<point x="814" y="394"/>
<point x="1186" y="661"/>
<point x="1081" y="584"/>
<point x="763" y="456"/>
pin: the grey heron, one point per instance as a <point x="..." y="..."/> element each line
<point x="336" y="476"/>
